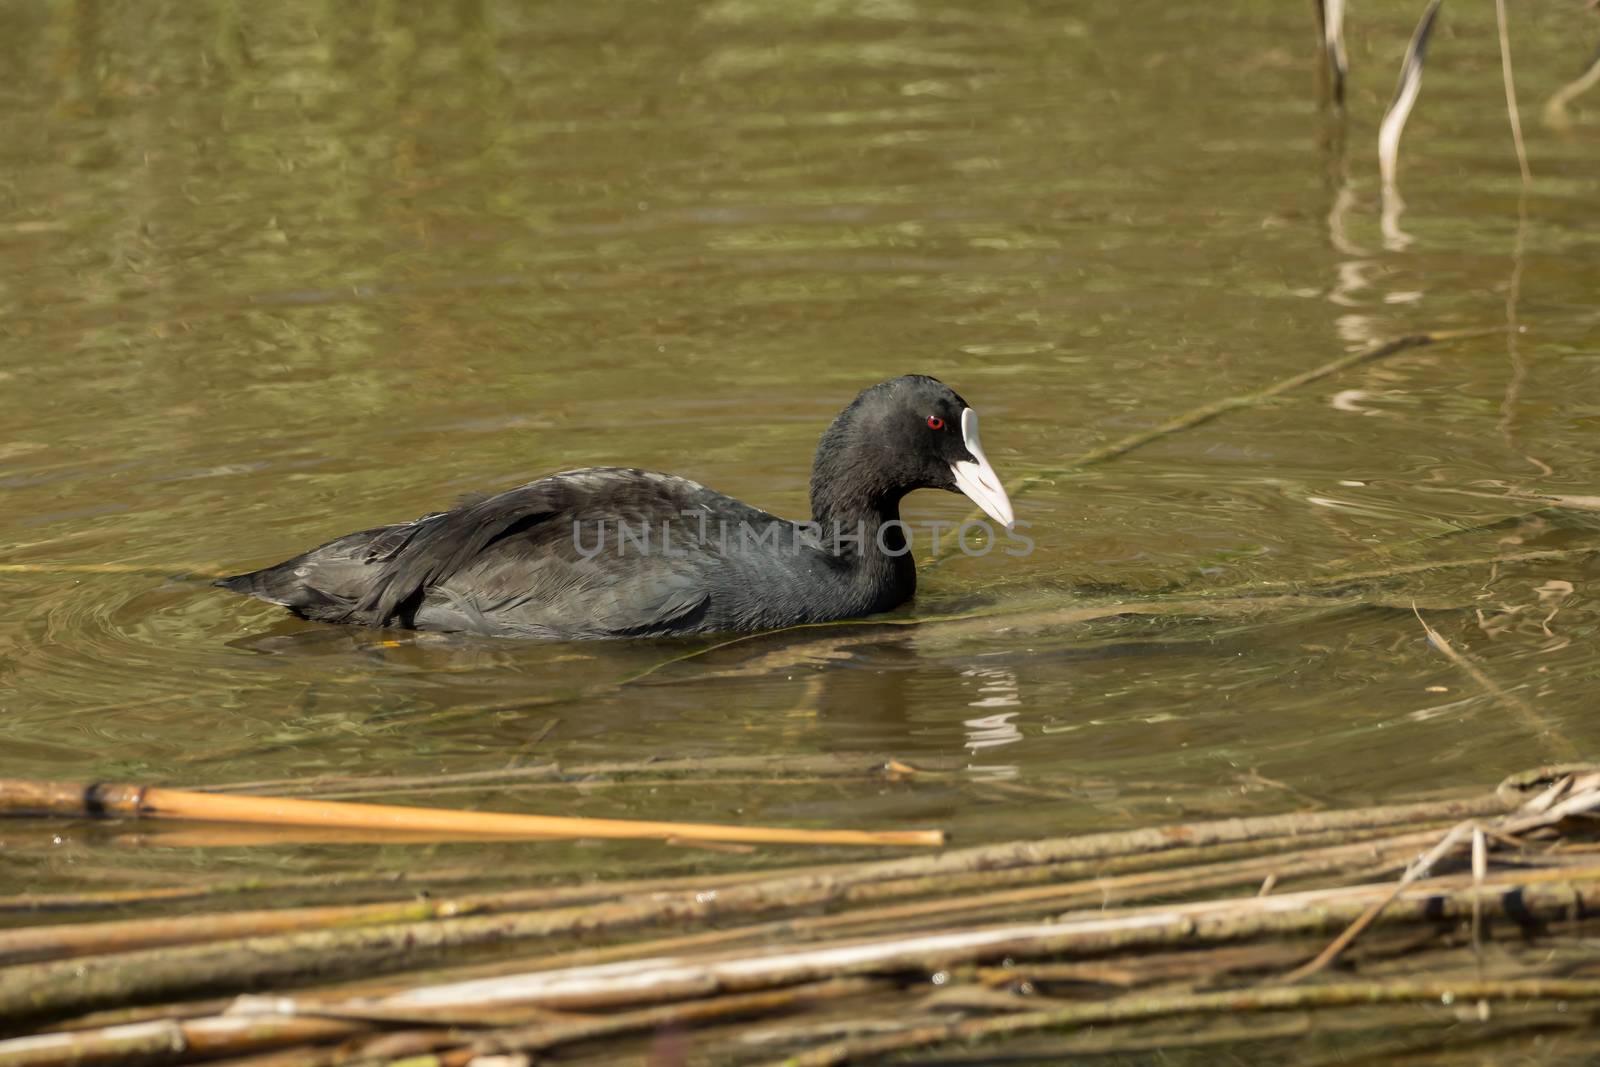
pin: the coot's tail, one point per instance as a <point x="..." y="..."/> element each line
<point x="327" y="583"/>
<point x="267" y="583"/>
<point x="279" y="585"/>
<point x="239" y="583"/>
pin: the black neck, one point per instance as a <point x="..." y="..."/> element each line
<point x="858" y="512"/>
<point x="847" y="487"/>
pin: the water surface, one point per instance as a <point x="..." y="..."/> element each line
<point x="272" y="273"/>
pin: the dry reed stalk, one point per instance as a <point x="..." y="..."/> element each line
<point x="1555" y="109"/>
<point x="541" y="1037"/>
<point x="593" y="773"/>
<point x="32" y="944"/>
<point x="1129" y="972"/>
<point x="1330" y="15"/>
<point x="1406" y="89"/>
<point x="56" y="988"/>
<point x="774" y="781"/>
<point x="111" y="898"/>
<point x="1569" y="796"/>
<point x="1186" y="857"/>
<point x="266" y="1012"/>
<point x="1530" y="717"/>
<point x="1536" y="895"/>
<point x="1511" y="91"/>
<point x="253" y="1024"/>
<point x="98" y="938"/>
<point x="1415" y="870"/>
<point x="168" y="1040"/>
<point x="788" y="928"/>
<point x="1138" y="1008"/>
<point x="154" y="570"/>
<point x="383" y="886"/>
<point x="1105" y="891"/>
<point x="1100" y="890"/>
<point x="230" y="835"/>
<point x="1528" y="896"/>
<point x="1552" y="894"/>
<point x="1553" y="782"/>
<point x="94" y="800"/>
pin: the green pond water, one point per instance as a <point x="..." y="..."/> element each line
<point x="273" y="273"/>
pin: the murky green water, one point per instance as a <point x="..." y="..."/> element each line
<point x="272" y="273"/>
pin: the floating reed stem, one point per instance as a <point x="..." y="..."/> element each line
<point x="1525" y="711"/>
<point x="1555" y="109"/>
<point x="1511" y="92"/>
<point x="1406" y="89"/>
<point x="1330" y="15"/>
<point x="197" y="570"/>
<point x="19" y="797"/>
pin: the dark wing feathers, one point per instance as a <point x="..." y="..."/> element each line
<point x="508" y="564"/>
<point x="441" y="545"/>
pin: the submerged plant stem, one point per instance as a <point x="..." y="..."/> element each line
<point x="1205" y="413"/>
<point x="1530" y="717"/>
<point x="1511" y="91"/>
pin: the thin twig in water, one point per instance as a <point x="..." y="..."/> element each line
<point x="1530" y="716"/>
<point x="1480" y="874"/>
<point x="1519" y="370"/>
<point x="1534" y="814"/>
<point x="1406" y="89"/>
<point x="1418" y="869"/>
<point x="1331" y="16"/>
<point x="1555" y="109"/>
<point x="614" y="772"/>
<point x="159" y="570"/>
<point x="1511" y="91"/>
<point x="98" y="799"/>
<point x="1338" y="581"/>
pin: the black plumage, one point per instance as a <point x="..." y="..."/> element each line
<point x="610" y="552"/>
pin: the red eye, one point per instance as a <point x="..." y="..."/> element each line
<point x="935" y="422"/>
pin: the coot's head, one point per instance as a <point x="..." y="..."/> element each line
<point x="907" y="433"/>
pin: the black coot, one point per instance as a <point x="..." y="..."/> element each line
<point x="618" y="552"/>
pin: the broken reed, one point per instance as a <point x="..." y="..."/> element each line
<point x="807" y="955"/>
<point x="96" y="800"/>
